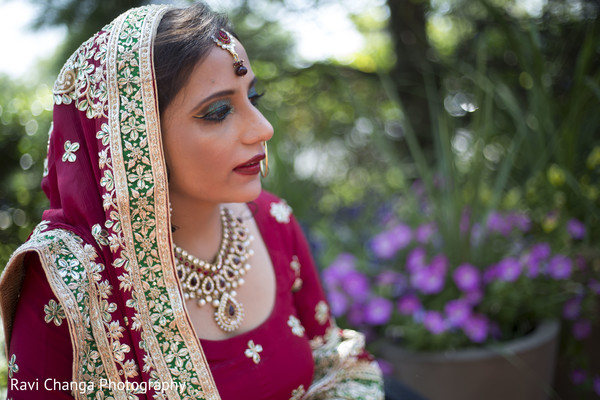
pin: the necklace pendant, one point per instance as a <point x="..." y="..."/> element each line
<point x="229" y="314"/>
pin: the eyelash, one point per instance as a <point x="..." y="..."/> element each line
<point x="221" y="112"/>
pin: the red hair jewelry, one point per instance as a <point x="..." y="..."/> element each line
<point x="224" y="41"/>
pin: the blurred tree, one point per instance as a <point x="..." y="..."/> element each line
<point x="24" y="122"/>
<point x="82" y="18"/>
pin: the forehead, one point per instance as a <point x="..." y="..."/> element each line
<point x="217" y="68"/>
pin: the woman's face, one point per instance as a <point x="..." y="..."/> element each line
<point x="213" y="133"/>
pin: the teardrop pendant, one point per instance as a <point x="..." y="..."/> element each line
<point x="229" y="314"/>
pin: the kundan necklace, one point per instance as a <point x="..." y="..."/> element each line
<point x="215" y="283"/>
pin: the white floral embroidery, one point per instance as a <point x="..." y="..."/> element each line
<point x="297" y="328"/>
<point x="253" y="351"/>
<point x="42" y="226"/>
<point x="101" y="235"/>
<point x="68" y="268"/>
<point x="295" y="266"/>
<point x="13" y="368"/>
<point x="70" y="149"/>
<point x="281" y="212"/>
<point x="54" y="313"/>
<point x="298" y="393"/>
<point x="322" y="312"/>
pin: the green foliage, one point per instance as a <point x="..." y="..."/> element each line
<point x="25" y="119"/>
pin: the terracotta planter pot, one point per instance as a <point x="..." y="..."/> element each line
<point x="522" y="369"/>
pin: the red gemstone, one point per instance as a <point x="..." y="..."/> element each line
<point x="231" y="310"/>
<point x="223" y="37"/>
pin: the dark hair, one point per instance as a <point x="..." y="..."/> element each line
<point x="183" y="38"/>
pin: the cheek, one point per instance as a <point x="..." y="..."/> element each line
<point x="195" y="155"/>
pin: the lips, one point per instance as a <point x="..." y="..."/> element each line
<point x="250" y="167"/>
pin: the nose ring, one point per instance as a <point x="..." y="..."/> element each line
<point x="264" y="163"/>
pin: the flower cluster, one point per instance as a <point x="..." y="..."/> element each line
<point x="498" y="286"/>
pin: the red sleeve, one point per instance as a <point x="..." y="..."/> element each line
<point x="40" y="356"/>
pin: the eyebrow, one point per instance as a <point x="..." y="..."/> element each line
<point x="222" y="93"/>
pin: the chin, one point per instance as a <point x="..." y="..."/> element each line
<point x="250" y="192"/>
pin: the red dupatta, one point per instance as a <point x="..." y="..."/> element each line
<point x="105" y="242"/>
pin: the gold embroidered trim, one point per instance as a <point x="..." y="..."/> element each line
<point x="338" y="371"/>
<point x="75" y="280"/>
<point x="139" y="200"/>
<point x="54" y="313"/>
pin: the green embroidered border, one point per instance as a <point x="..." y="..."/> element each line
<point x="76" y="279"/>
<point x="166" y="334"/>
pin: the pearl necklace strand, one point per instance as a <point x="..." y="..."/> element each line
<point x="215" y="283"/>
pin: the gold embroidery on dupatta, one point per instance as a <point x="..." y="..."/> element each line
<point x="76" y="280"/>
<point x="339" y="373"/>
<point x="136" y="200"/>
<point x="84" y="82"/>
<point x="54" y="313"/>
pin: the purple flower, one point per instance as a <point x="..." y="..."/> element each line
<point x="408" y="304"/>
<point x="521" y="221"/>
<point x="428" y="280"/>
<point x="509" y="269"/>
<point x="390" y="278"/>
<point x="466" y="277"/>
<point x="338" y="269"/>
<point x="383" y="245"/>
<point x="476" y="327"/>
<point x="594" y="286"/>
<point x="424" y="232"/>
<point x="401" y="236"/>
<point x="572" y="308"/>
<point x="496" y="222"/>
<point x="465" y="220"/>
<point x="559" y="267"/>
<point x="356" y="315"/>
<point x="439" y="264"/>
<point x="596" y="384"/>
<point x="540" y="251"/>
<point x="356" y="285"/>
<point x="582" y="329"/>
<point x="576" y="229"/>
<point x="490" y="274"/>
<point x="531" y="265"/>
<point x="378" y="311"/>
<point x="434" y="322"/>
<point x="578" y="376"/>
<point x="457" y="312"/>
<point x="416" y="260"/>
<point x="338" y="303"/>
<point x="386" y="244"/>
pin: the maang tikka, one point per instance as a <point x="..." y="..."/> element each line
<point x="224" y="41"/>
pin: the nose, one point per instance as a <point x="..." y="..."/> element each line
<point x="258" y="128"/>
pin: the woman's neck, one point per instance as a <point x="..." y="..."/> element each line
<point x="198" y="227"/>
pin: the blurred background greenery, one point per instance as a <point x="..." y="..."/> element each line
<point x="354" y="131"/>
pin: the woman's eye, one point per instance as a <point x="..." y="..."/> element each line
<point x="217" y="112"/>
<point x="254" y="96"/>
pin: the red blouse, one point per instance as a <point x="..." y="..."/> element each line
<point x="272" y="361"/>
